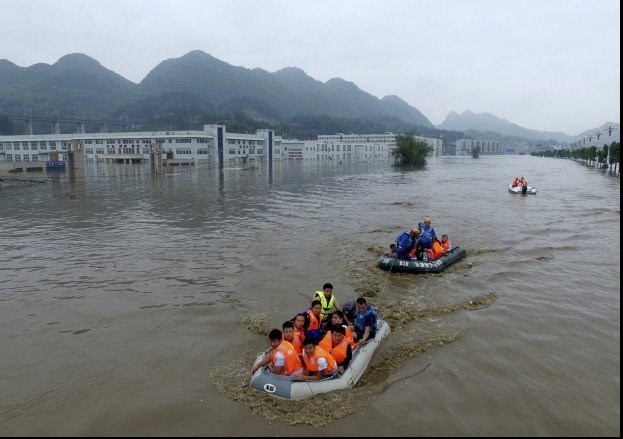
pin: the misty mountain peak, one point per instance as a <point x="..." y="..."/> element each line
<point x="394" y="99"/>
<point x="292" y="72"/>
<point x="74" y="60"/>
<point x="341" y="83"/>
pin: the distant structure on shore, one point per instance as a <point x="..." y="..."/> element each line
<point x="486" y="147"/>
<point x="213" y="145"/>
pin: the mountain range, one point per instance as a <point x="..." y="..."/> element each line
<point x="199" y="86"/>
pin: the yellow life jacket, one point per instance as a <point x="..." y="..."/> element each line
<point x="326" y="307"/>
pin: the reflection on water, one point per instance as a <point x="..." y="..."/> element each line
<point x="135" y="304"/>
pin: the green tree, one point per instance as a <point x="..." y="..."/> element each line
<point x="409" y="151"/>
<point x="6" y="126"/>
<point x="476" y="152"/>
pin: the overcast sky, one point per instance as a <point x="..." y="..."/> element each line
<point x="549" y="65"/>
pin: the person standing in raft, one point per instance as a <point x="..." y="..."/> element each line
<point x="281" y="358"/>
<point x="327" y="301"/>
<point x="427" y="233"/>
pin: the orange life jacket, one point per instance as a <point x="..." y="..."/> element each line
<point x="293" y="362"/>
<point x="314" y="322"/>
<point x="436" y="250"/>
<point x="446" y="245"/>
<point x="312" y="362"/>
<point x="338" y="352"/>
<point x="297" y="342"/>
<point x="349" y="336"/>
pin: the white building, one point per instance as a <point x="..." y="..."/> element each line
<point x="346" y="146"/>
<point x="465" y="146"/>
<point x="213" y="145"/>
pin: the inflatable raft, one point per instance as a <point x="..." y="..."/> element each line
<point x="415" y="266"/>
<point x="520" y="190"/>
<point x="290" y="388"/>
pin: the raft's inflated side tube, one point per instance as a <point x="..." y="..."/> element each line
<point x="290" y="388"/>
<point x="415" y="266"/>
<point x="519" y="190"/>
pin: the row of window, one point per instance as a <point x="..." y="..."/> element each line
<point x="245" y="142"/>
<point x="89" y="151"/>
<point x="232" y="151"/>
<point x="35" y="144"/>
<point x="26" y="157"/>
<point x="27" y="148"/>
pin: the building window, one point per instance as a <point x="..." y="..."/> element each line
<point x="18" y="158"/>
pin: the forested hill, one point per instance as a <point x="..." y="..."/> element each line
<point x="191" y="87"/>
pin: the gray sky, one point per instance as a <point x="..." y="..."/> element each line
<point x="543" y="64"/>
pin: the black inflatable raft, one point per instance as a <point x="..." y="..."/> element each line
<point x="415" y="266"/>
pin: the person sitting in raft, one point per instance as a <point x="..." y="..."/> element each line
<point x="337" y="319"/>
<point x="435" y="251"/>
<point x="300" y="322"/>
<point x="515" y="182"/>
<point x="328" y="302"/>
<point x="523" y="182"/>
<point x="419" y="253"/>
<point x="445" y="243"/>
<point x="365" y="321"/>
<point x="336" y="344"/>
<point x="281" y="358"/>
<point x="392" y="251"/>
<point x="427" y="233"/>
<point x="315" y="318"/>
<point x="293" y="337"/>
<point x="406" y="242"/>
<point x="318" y="362"/>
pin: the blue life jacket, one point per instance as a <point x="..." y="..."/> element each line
<point x="405" y="242"/>
<point x="426" y="235"/>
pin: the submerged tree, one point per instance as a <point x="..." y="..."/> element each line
<point x="409" y="151"/>
<point x="476" y="152"/>
<point x="6" y="126"/>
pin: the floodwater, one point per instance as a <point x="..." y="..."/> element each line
<point x="134" y="304"/>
